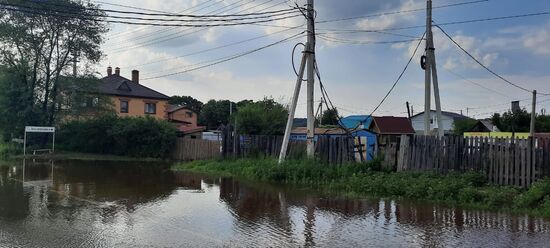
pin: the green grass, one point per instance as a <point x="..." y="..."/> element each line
<point x="468" y="190"/>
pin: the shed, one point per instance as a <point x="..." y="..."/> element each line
<point x="358" y="124"/>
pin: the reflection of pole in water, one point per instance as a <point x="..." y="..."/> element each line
<point x="309" y="223"/>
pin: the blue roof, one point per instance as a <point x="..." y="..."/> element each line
<point x="353" y="121"/>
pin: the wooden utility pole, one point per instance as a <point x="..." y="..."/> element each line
<point x="429" y="75"/>
<point x="533" y="115"/>
<point x="308" y="58"/>
<point x="310" y="78"/>
<point x="408" y="110"/>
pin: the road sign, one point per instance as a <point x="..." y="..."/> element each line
<point x="33" y="129"/>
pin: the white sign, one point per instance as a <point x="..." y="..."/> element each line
<point x="32" y="129"/>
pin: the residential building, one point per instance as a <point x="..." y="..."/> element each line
<point x="130" y="98"/>
<point x="186" y="121"/>
<point x="390" y="128"/>
<point x="300" y="133"/>
<point x="485" y="125"/>
<point x="364" y="138"/>
<point x="448" y="120"/>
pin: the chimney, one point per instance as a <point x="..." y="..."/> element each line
<point x="109" y="71"/>
<point x="117" y="71"/>
<point x="135" y="76"/>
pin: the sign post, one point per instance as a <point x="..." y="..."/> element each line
<point x="34" y="129"/>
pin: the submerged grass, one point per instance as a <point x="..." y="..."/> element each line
<point x="357" y="180"/>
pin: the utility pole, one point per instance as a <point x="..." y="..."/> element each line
<point x="408" y="110"/>
<point x="75" y="61"/>
<point x="429" y="75"/>
<point x="310" y="78"/>
<point x="308" y="58"/>
<point x="533" y="115"/>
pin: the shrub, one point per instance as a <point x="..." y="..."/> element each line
<point x="127" y="136"/>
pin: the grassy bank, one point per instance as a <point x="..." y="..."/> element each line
<point x="358" y="180"/>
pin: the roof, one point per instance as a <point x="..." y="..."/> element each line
<point x="450" y="114"/>
<point x="174" y="108"/>
<point x="186" y="130"/>
<point x="121" y="86"/>
<point x="320" y="130"/>
<point x="393" y="125"/>
<point x="354" y="121"/>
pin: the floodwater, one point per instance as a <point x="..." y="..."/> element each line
<point x="115" y="204"/>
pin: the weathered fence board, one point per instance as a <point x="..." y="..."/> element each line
<point x="504" y="161"/>
<point x="195" y="149"/>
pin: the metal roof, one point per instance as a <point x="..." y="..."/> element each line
<point x="393" y="125"/>
<point x="121" y="86"/>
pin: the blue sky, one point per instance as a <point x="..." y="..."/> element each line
<point x="356" y="75"/>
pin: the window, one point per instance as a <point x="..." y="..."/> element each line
<point x="150" y="108"/>
<point x="189" y="114"/>
<point x="123" y="106"/>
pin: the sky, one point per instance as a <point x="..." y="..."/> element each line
<point x="356" y="75"/>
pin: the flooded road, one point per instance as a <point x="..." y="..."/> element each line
<point x="115" y="204"/>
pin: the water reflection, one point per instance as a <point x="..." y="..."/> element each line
<point x="114" y="204"/>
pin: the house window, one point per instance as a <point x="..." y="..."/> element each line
<point x="123" y="106"/>
<point x="189" y="114"/>
<point x="150" y="108"/>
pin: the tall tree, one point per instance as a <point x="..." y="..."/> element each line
<point x="330" y="117"/>
<point x="188" y="101"/>
<point x="265" y="117"/>
<point x="37" y="47"/>
<point x="518" y="121"/>
<point x="215" y="112"/>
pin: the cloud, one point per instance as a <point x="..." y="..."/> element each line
<point x="538" y="42"/>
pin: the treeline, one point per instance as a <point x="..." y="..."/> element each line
<point x="125" y="136"/>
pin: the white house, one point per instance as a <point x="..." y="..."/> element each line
<point x="448" y="121"/>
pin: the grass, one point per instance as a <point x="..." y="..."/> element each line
<point x="468" y="190"/>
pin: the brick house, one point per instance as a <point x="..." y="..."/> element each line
<point x="186" y="121"/>
<point x="130" y="98"/>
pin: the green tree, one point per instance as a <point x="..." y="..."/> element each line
<point x="215" y="112"/>
<point x="188" y="101"/>
<point x="520" y="120"/>
<point x="329" y="117"/>
<point x="464" y="125"/>
<point x="265" y="117"/>
<point x="37" y="49"/>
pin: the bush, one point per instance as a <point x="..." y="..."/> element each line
<point x="126" y="136"/>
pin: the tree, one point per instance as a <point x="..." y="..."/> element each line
<point x="464" y="125"/>
<point x="215" y="112"/>
<point x="37" y="50"/>
<point x="520" y="120"/>
<point x="187" y="101"/>
<point x="265" y="117"/>
<point x="330" y="117"/>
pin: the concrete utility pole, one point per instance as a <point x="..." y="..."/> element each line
<point x="308" y="58"/>
<point x="431" y="74"/>
<point x="533" y="115"/>
<point x="310" y="78"/>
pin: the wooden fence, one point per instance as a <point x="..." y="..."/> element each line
<point x="335" y="150"/>
<point x="195" y="149"/>
<point x="504" y="161"/>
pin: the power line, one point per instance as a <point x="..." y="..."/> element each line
<point x="150" y="24"/>
<point x="151" y="10"/>
<point x="475" y="83"/>
<point x="229" y="58"/>
<point x="481" y="64"/>
<point x="400" y="75"/>
<point x="215" y="48"/>
<point x="440" y="24"/>
<point x="357" y="42"/>
<point x="139" y="13"/>
<point x="399" y="12"/>
<point x="178" y="34"/>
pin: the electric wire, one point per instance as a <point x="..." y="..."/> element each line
<point x="481" y="64"/>
<point x="400" y="75"/>
<point x="229" y="58"/>
<point x="399" y="12"/>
